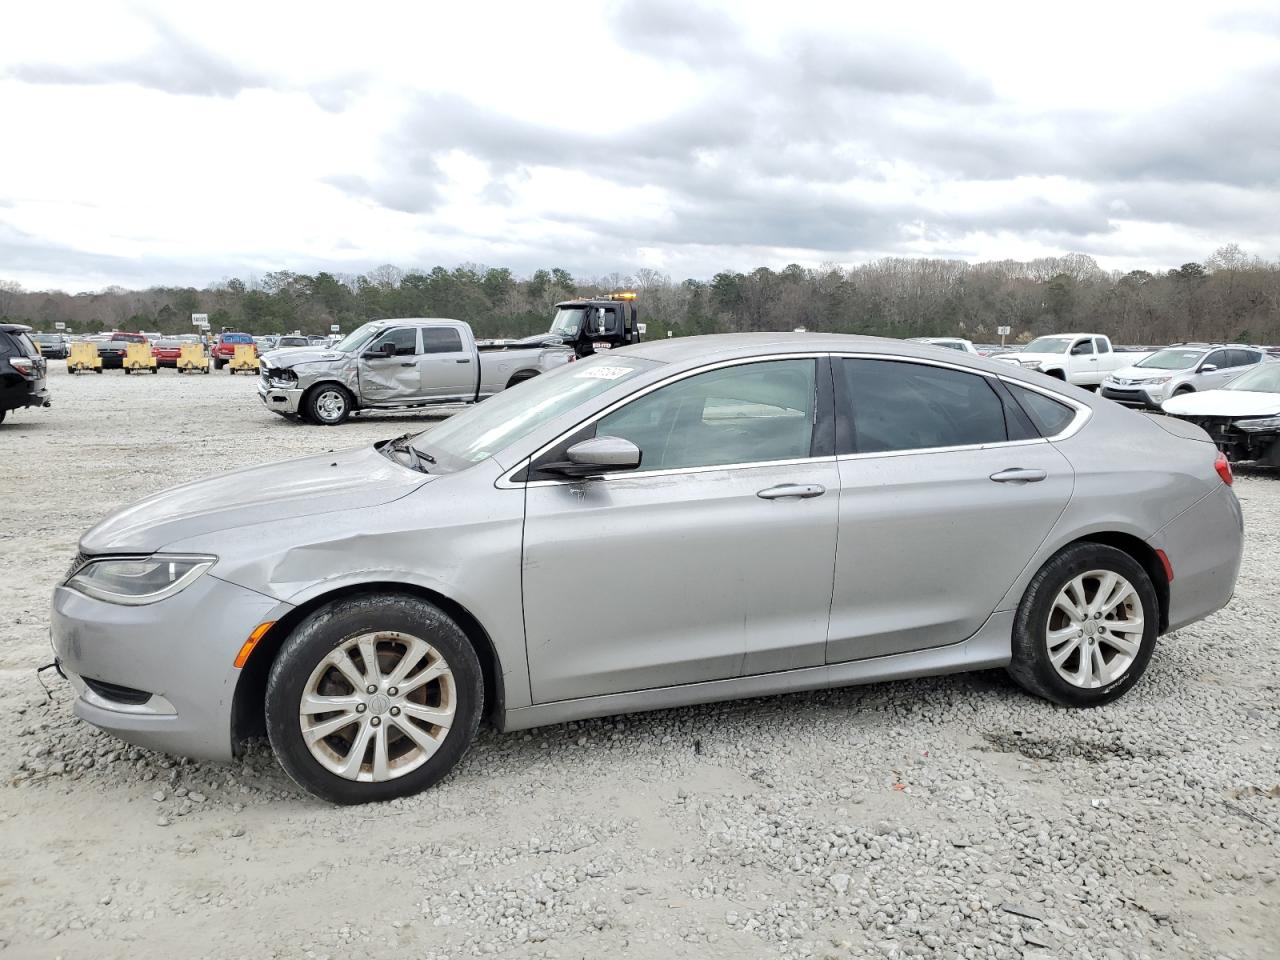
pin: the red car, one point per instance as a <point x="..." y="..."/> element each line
<point x="224" y="348"/>
<point x="166" y="352"/>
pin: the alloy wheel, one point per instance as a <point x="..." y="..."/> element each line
<point x="1095" y="629"/>
<point x="377" y="706"/>
<point x="330" y="405"/>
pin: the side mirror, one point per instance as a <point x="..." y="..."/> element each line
<point x="598" y="455"/>
<point x="384" y="352"/>
<point x="1208" y="367"/>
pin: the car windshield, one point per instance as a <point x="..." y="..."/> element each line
<point x="1264" y="378"/>
<point x="294" y="342"/>
<point x="481" y="431"/>
<point x="1049" y="345"/>
<point x="1171" y="360"/>
<point x="354" y="340"/>
<point x="568" y="321"/>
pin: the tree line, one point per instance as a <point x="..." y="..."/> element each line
<point x="1230" y="296"/>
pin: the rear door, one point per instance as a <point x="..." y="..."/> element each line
<point x="393" y="378"/>
<point x="946" y="492"/>
<point x="448" y="365"/>
<point x="1225" y="372"/>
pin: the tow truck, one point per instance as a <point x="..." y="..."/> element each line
<point x="585" y="325"/>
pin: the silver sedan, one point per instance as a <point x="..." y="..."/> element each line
<point x="672" y="523"/>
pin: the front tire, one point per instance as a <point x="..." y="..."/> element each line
<point x="328" y="405"/>
<point x="1086" y="627"/>
<point x="373" y="698"/>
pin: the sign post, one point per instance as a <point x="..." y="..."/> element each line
<point x="1004" y="332"/>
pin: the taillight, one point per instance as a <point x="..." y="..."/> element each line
<point x="1223" y="466"/>
<point x="25" y="366"/>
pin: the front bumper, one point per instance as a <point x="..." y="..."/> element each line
<point x="1145" y="398"/>
<point x="281" y="400"/>
<point x="176" y="656"/>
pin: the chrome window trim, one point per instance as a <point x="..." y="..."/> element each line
<point x="506" y="483"/>
<point x="1082" y="416"/>
<point x="1083" y="411"/>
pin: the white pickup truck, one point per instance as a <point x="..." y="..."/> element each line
<point x="1079" y="358"/>
<point x="394" y="364"/>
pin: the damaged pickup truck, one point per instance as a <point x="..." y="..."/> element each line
<point x="395" y="364"/>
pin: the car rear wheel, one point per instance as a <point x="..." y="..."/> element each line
<point x="1086" y="627"/>
<point x="328" y="405"/>
<point x="373" y="698"/>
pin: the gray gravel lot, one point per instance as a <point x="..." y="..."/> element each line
<point x="944" y="818"/>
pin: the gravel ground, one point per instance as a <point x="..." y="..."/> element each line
<point x="953" y="817"/>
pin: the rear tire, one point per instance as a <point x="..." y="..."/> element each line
<point x="219" y="364"/>
<point x="1086" y="627"/>
<point x="381" y="745"/>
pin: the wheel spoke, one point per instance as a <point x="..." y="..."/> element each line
<point x="437" y="669"/>
<point x="1076" y="594"/>
<point x="381" y="761"/>
<point x="1099" y="665"/>
<point x="1059" y="657"/>
<point x="1125" y="646"/>
<point x="1119" y="596"/>
<point x="1134" y="625"/>
<point x="355" y="758"/>
<point x="340" y="659"/>
<point x="313" y="703"/>
<point x="1084" y="669"/>
<point x="412" y="657"/>
<point x="1061" y="636"/>
<point x="424" y="740"/>
<point x="369" y="654"/>
<point x="1106" y="584"/>
<point x="432" y="715"/>
<point x="328" y="727"/>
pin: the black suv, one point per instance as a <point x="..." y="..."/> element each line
<point x="22" y="370"/>
<point x="53" y="346"/>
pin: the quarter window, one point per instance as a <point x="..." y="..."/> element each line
<point x="897" y="405"/>
<point x="441" y="340"/>
<point x="1103" y="345"/>
<point x="1050" y="416"/>
<point x="747" y="413"/>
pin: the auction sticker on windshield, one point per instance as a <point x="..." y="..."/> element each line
<point x="603" y="373"/>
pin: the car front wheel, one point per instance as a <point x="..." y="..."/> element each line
<point x="373" y="698"/>
<point x="1086" y="627"/>
<point x="328" y="405"/>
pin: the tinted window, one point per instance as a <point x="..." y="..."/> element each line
<point x="1083" y="348"/>
<point x="1050" y="416"/>
<point x="910" y="406"/>
<point x="441" y="340"/>
<point x="1243" y="358"/>
<point x="1218" y="358"/>
<point x="1103" y="346"/>
<point x="742" y="414"/>
<point x="404" y="338"/>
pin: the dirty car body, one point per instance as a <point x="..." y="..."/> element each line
<point x="783" y="529"/>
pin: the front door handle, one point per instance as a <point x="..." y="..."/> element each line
<point x="1019" y="475"/>
<point x="792" y="491"/>
<point x="410" y="364"/>
<point x="468" y="360"/>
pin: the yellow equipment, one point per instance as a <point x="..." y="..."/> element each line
<point x="193" y="357"/>
<point x="246" y="358"/>
<point x="138" y="357"/>
<point x="84" y="356"/>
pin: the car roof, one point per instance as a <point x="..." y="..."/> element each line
<point x="14" y="328"/>
<point x="678" y="349"/>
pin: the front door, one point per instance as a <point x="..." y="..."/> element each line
<point x="712" y="561"/>
<point x="940" y="506"/>
<point x="1083" y="363"/>
<point x="388" y="367"/>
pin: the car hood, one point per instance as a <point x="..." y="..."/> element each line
<point x="346" y="480"/>
<point x="1224" y="403"/>
<point x="1145" y="373"/>
<point x="292" y="356"/>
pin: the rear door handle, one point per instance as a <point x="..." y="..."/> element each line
<point x="788" y="491"/>
<point x="411" y="364"/>
<point x="1019" y="475"/>
<point x="468" y="360"/>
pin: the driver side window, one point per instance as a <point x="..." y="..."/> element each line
<point x="1083" y="349"/>
<point x="405" y="340"/>
<point x="749" y="413"/>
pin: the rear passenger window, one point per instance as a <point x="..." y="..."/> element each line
<point x="1243" y="358"/>
<point x="441" y="340"/>
<point x="1103" y="345"/>
<point x="897" y="405"/>
<point x="1050" y="416"/>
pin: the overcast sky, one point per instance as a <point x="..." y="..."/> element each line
<point x="175" y="143"/>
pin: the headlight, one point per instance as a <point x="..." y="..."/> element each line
<point x="1029" y="363"/>
<point x="134" y="581"/>
<point x="1262" y="423"/>
<point x="1156" y="381"/>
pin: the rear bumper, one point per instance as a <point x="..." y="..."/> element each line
<point x="1204" y="546"/>
<point x="177" y="656"/>
<point x="27" y="393"/>
<point x="281" y="400"/>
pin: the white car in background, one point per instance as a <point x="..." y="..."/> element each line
<point x="1243" y="418"/>
<point x="950" y="343"/>
<point x="1079" y="358"/>
<point x="1177" y="370"/>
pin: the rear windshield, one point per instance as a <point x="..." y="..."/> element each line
<point x="129" y="337"/>
<point x="236" y="338"/>
<point x="294" y="342"/>
<point x="25" y="345"/>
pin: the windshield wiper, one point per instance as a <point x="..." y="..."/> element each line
<point x="401" y="444"/>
